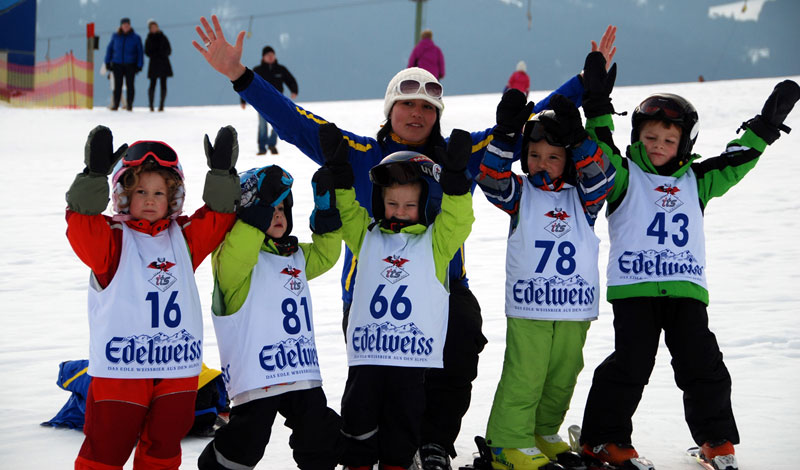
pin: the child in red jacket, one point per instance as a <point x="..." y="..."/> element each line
<point x="145" y="317"/>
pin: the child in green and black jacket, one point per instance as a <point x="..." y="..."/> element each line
<point x="264" y="325"/>
<point x="657" y="263"/>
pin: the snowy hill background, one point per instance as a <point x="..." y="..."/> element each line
<point x="349" y="49"/>
<point x="753" y="259"/>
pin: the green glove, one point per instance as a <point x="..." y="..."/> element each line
<point x="222" y="192"/>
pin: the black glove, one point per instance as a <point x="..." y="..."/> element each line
<point x="512" y="113"/>
<point x="454" y="179"/>
<point x="259" y="215"/>
<point x="597" y="85"/>
<point x="325" y="216"/>
<point x="769" y="123"/>
<point x="570" y="131"/>
<point x="335" y="149"/>
<point x="108" y="66"/>
<point x="225" y="152"/>
<point x="138" y="69"/>
<point x="272" y="187"/>
<point x="98" y="153"/>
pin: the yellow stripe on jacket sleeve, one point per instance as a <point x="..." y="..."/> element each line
<point x="66" y="384"/>
<point x="477" y="147"/>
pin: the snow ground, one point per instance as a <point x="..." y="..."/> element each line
<point x="753" y="257"/>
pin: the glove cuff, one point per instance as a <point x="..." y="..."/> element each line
<point x="454" y="183"/>
<point x="597" y="106"/>
<point x="88" y="194"/>
<point x="766" y="130"/>
<point x="222" y="191"/>
<point x="342" y="176"/>
<point x="325" y="221"/>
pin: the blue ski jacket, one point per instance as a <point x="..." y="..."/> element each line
<point x="301" y="128"/>
<point x="125" y="49"/>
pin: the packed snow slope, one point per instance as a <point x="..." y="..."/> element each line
<point x="753" y="267"/>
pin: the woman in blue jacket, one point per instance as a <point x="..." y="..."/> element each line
<point x="413" y="107"/>
<point x="124" y="57"/>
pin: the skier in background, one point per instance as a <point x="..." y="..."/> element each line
<point x="519" y="80"/>
<point x="427" y="55"/>
<point x="276" y="75"/>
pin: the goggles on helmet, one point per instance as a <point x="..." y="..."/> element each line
<point x="538" y="131"/>
<point x="659" y="107"/>
<point x="140" y="151"/>
<point x="414" y="87"/>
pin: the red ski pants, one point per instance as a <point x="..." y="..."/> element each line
<point x="156" y="412"/>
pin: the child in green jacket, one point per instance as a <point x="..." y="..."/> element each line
<point x="264" y="325"/>
<point x="657" y="264"/>
<point x="398" y="320"/>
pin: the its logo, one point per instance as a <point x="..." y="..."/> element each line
<point x="226" y="374"/>
<point x="395" y="271"/>
<point x="162" y="279"/>
<point x="294" y="285"/>
<point x="559" y="226"/>
<point x="669" y="201"/>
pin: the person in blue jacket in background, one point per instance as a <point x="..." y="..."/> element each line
<point x="125" y="58"/>
<point x="413" y="107"/>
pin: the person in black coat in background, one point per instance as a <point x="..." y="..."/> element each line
<point x="276" y="74"/>
<point x="157" y="48"/>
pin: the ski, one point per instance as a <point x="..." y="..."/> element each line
<point x="724" y="463"/>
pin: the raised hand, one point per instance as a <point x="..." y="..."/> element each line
<point x="454" y="179"/>
<point x="335" y="150"/>
<point x="598" y="84"/>
<point x="224" y="57"/>
<point x="98" y="153"/>
<point x="512" y="113"/>
<point x="225" y="151"/>
<point x="779" y="104"/>
<point x="325" y="217"/>
<point x="570" y="130"/>
<point x="606" y="46"/>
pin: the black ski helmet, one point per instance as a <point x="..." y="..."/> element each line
<point x="542" y="126"/>
<point x="407" y="167"/>
<point x="673" y="109"/>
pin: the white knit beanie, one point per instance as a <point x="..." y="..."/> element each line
<point x="413" y="73"/>
<point x="521" y="67"/>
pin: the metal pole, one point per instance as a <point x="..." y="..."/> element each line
<point x="418" y="21"/>
<point x="90" y="58"/>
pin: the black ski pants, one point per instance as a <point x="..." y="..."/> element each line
<point x="448" y="391"/>
<point x="696" y="361"/>
<point x="381" y="411"/>
<point x="128" y="72"/>
<point x="316" y="439"/>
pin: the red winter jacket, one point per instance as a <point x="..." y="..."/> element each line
<point x="97" y="239"/>
<point x="520" y="81"/>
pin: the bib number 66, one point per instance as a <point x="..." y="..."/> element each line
<point x="400" y="305"/>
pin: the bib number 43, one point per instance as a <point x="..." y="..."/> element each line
<point x="678" y="229"/>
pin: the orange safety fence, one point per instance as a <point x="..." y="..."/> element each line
<point x="65" y="82"/>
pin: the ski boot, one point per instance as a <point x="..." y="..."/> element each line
<point x="715" y="455"/>
<point x="612" y="456"/>
<point x="559" y="451"/>
<point x="433" y="457"/>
